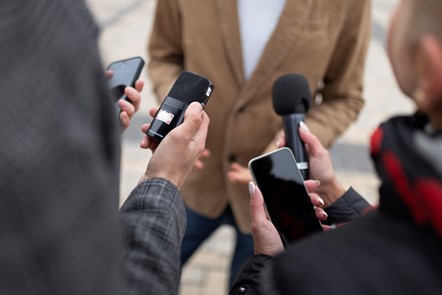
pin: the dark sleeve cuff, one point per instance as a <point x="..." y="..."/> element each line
<point x="350" y="206"/>
<point x="247" y="281"/>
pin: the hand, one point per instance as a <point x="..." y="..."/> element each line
<point x="178" y="152"/>
<point x="128" y="109"/>
<point x="239" y="174"/>
<point x="265" y="236"/>
<point x="320" y="166"/>
<point x="147" y="143"/>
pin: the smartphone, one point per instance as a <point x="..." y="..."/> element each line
<point x="188" y="87"/>
<point x="125" y="73"/>
<point x="286" y="199"/>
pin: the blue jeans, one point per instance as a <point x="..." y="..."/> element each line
<point x="199" y="228"/>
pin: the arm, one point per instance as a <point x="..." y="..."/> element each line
<point x="347" y="208"/>
<point x="343" y="81"/>
<point x="165" y="48"/>
<point x="154" y="214"/>
<point x="154" y="221"/>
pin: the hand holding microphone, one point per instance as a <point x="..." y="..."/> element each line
<point x="291" y="100"/>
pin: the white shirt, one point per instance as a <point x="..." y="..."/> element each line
<point x="257" y="21"/>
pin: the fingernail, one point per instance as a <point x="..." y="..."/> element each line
<point x="304" y="127"/>
<point x="321" y="201"/>
<point x="325" y="215"/>
<point x="251" y="189"/>
<point x="318" y="183"/>
<point x="278" y="143"/>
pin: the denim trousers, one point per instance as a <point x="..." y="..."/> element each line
<point x="199" y="228"/>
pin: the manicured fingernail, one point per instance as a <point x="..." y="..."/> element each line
<point x="251" y="189"/>
<point x="321" y="201"/>
<point x="304" y="127"/>
<point x="318" y="183"/>
<point x="278" y="143"/>
<point x="325" y="215"/>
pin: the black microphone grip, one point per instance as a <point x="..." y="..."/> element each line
<point x="294" y="143"/>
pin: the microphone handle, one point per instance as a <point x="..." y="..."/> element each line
<point x="294" y="143"/>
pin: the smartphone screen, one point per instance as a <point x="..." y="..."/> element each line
<point x="287" y="201"/>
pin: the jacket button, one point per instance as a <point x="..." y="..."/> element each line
<point x="242" y="290"/>
<point x="232" y="158"/>
<point x="241" y="109"/>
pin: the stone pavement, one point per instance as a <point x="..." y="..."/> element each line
<point x="125" y="28"/>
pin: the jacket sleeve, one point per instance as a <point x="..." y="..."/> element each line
<point x="154" y="223"/>
<point x="165" y="48"/>
<point x="343" y="82"/>
<point x="347" y="208"/>
<point x="249" y="279"/>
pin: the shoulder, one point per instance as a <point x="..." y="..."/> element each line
<point x="376" y="248"/>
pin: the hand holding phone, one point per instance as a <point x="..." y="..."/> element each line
<point x="124" y="73"/>
<point x="286" y="198"/>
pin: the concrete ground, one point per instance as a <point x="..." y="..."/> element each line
<point x="125" y="29"/>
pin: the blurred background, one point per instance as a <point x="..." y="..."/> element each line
<point x="125" y="27"/>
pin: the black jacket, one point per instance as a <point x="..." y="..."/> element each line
<point x="376" y="254"/>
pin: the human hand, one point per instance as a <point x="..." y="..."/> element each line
<point x="266" y="238"/>
<point x="320" y="166"/>
<point x="129" y="107"/>
<point x="177" y="153"/>
<point x="239" y="174"/>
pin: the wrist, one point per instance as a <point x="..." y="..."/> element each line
<point x="332" y="192"/>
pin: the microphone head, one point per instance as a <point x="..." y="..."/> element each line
<point x="291" y="95"/>
<point x="190" y="87"/>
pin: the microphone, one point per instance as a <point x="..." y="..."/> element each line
<point x="188" y="87"/>
<point x="291" y="100"/>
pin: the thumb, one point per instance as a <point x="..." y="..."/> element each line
<point x="310" y="140"/>
<point x="257" y="210"/>
<point x="193" y="118"/>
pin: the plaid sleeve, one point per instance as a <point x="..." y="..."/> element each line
<point x="154" y="223"/>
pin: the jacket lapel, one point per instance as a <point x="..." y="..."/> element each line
<point x="229" y="26"/>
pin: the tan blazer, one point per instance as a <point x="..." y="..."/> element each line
<point x="325" y="40"/>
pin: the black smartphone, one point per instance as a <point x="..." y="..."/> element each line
<point x="287" y="201"/>
<point x="125" y="73"/>
<point x="187" y="88"/>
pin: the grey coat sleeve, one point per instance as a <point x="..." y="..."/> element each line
<point x="154" y="223"/>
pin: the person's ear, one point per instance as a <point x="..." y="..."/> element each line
<point x="429" y="67"/>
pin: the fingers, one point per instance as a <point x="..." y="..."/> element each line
<point x="199" y="164"/>
<point x="321" y="214"/>
<point x="257" y="211"/>
<point x="239" y="174"/>
<point x="127" y="107"/>
<point x="109" y="74"/>
<point x="281" y="141"/>
<point x="311" y="141"/>
<point x="312" y="185"/>
<point x="134" y="96"/>
<point x="153" y="111"/>
<point x="316" y="200"/>
<point x="139" y="85"/>
<point x="147" y="142"/>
